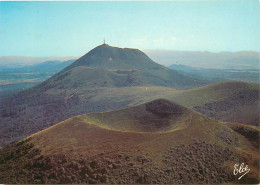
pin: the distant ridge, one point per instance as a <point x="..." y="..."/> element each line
<point x="223" y="60"/>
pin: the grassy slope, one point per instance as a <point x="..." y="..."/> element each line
<point x="202" y="141"/>
<point x="226" y="101"/>
<point x="214" y="92"/>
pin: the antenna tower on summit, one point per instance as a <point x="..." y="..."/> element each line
<point x="104" y="41"/>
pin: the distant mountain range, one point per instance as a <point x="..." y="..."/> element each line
<point x="47" y="66"/>
<point x="22" y="61"/>
<point x="206" y="59"/>
<point x="221" y="60"/>
<point x="217" y="75"/>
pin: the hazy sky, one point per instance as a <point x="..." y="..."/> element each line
<point x="73" y="28"/>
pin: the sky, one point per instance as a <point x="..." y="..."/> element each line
<point x="73" y="28"/>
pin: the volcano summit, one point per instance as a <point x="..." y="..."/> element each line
<point x="107" y="66"/>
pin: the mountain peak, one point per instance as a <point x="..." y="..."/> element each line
<point x="110" y="57"/>
<point x="118" y="49"/>
<point x="104" y="45"/>
<point x="108" y="66"/>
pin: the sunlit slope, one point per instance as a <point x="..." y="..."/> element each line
<point x="219" y="91"/>
<point x="226" y="101"/>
